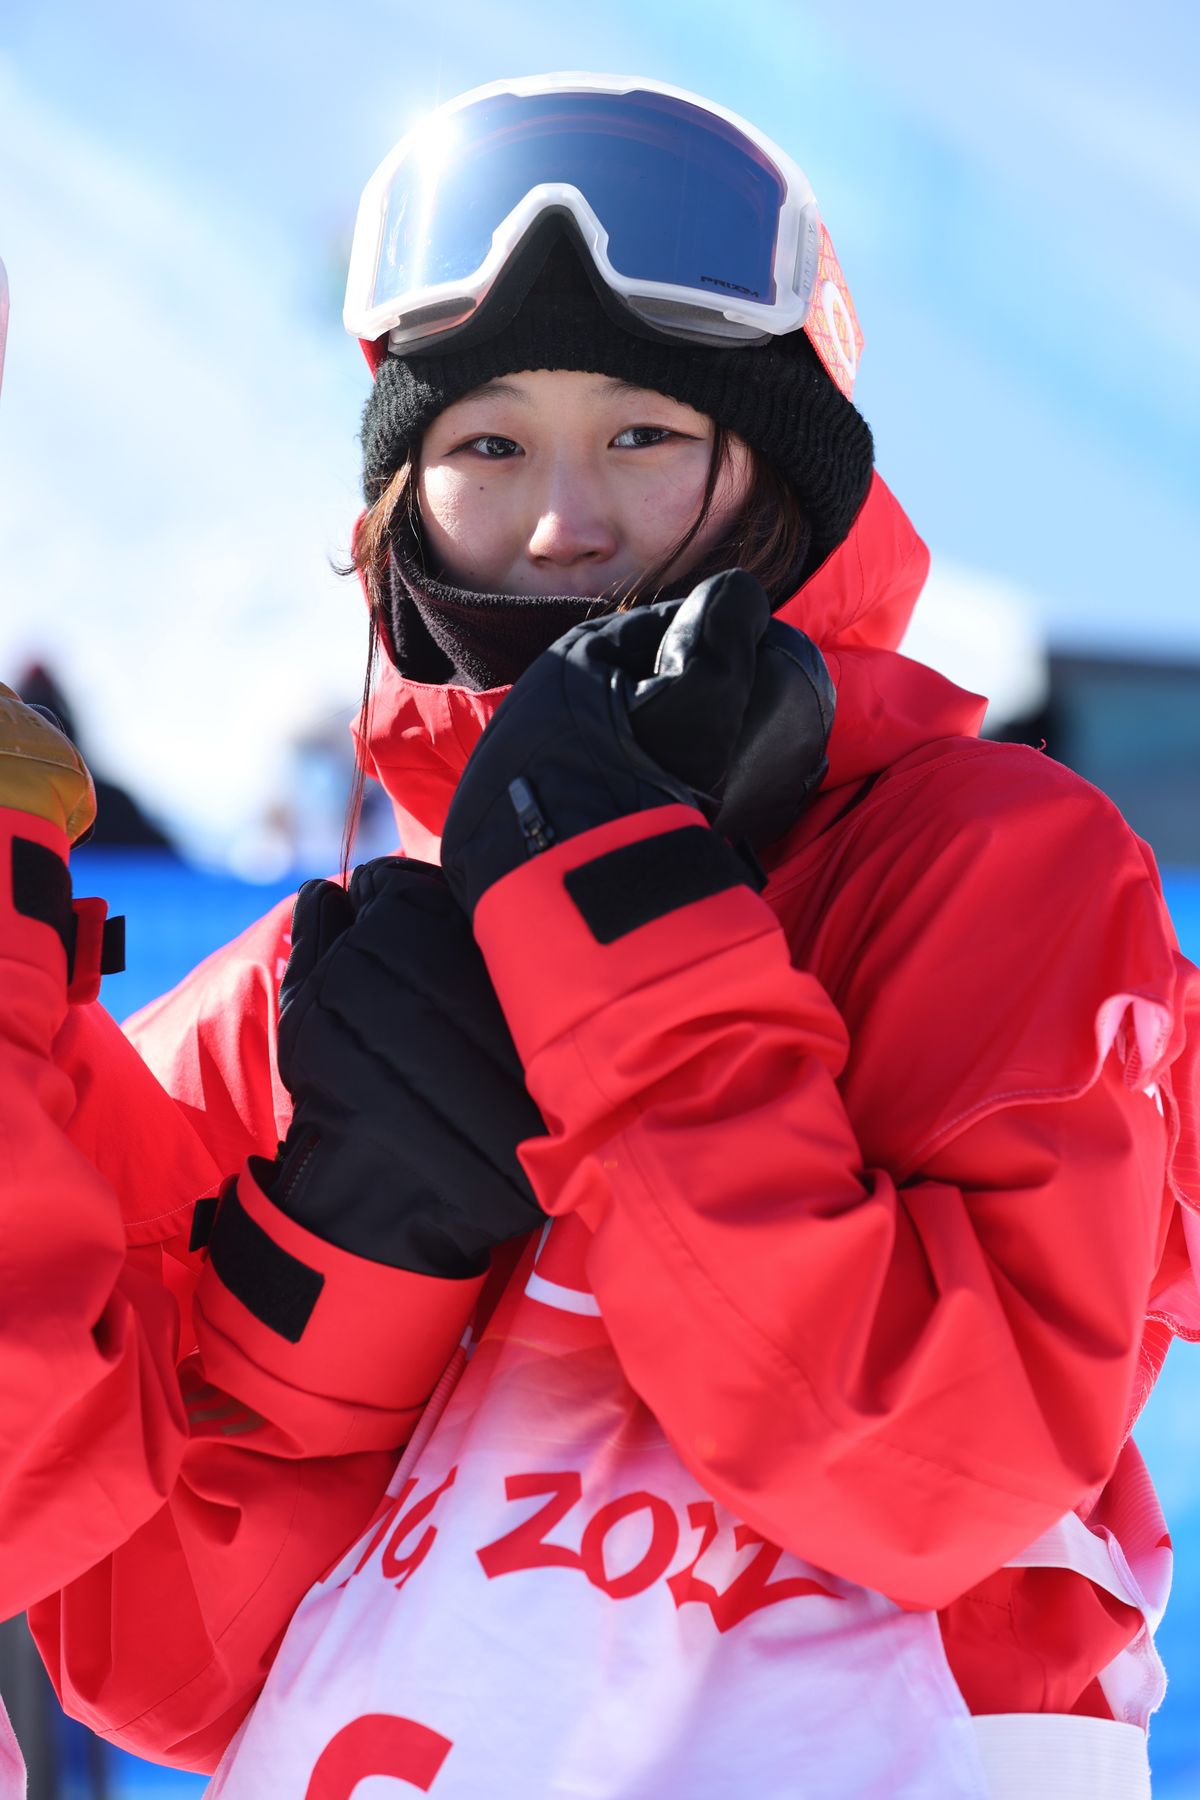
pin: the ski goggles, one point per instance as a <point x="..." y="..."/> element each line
<point x="694" y="221"/>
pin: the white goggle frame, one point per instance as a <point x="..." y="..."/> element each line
<point x="805" y="267"/>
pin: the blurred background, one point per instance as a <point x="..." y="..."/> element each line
<point x="1015" y="197"/>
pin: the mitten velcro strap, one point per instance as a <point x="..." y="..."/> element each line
<point x="374" y="1337"/>
<point x="97" y="948"/>
<point x="204" y="1217"/>
<point x="640" y="882"/>
<point x="41" y="890"/>
<point x="270" y="1282"/>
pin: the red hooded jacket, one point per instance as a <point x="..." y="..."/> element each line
<point x="903" y="1150"/>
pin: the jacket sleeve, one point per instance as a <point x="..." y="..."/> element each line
<point x="903" y="1374"/>
<point x="183" y="1511"/>
<point x="311" y="1371"/>
<point x="92" y="1423"/>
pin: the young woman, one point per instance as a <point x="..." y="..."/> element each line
<point x="765" y="1424"/>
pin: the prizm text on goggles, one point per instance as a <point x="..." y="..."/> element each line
<point x="694" y="220"/>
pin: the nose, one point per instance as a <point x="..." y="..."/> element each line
<point x="573" y="528"/>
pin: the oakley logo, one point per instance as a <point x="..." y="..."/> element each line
<point x="733" y="287"/>
<point x="840" y="323"/>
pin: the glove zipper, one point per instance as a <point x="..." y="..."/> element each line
<point x="291" y="1170"/>
<point x="538" y="834"/>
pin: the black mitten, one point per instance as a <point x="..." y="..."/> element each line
<point x="709" y="701"/>
<point x="409" y="1096"/>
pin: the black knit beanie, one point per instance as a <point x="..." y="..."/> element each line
<point x="777" y="396"/>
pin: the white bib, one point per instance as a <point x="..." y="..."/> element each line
<point x="549" y="1605"/>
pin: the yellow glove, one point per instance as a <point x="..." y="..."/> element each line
<point x="41" y="772"/>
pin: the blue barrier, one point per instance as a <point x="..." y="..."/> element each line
<point x="177" y="915"/>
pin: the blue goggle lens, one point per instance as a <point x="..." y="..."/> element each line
<point x="684" y="197"/>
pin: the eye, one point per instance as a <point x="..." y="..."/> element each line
<point x="494" y="449"/>
<point x="642" y="437"/>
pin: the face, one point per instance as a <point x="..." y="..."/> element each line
<point x="557" y="482"/>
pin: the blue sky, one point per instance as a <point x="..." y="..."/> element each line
<point x="1013" y="192"/>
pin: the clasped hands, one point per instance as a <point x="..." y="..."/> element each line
<point x="410" y="1100"/>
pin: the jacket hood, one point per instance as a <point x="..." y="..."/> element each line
<point x="856" y="607"/>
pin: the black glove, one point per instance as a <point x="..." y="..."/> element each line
<point x="409" y="1096"/>
<point x="709" y="701"/>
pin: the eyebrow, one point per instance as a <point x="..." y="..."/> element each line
<point x="612" y="384"/>
<point x="506" y="390"/>
<point x="500" y="390"/>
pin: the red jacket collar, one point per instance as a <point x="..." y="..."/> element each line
<point x="856" y="607"/>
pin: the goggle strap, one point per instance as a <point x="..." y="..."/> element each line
<point x="832" y="322"/>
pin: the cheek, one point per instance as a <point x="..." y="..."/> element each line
<point x="668" y="503"/>
<point x="441" y="501"/>
<point x="463" y="516"/>
<point x="731" y="490"/>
